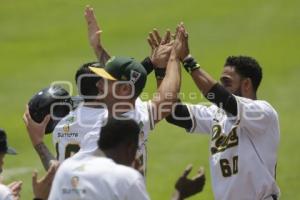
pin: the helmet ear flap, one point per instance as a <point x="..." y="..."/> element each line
<point x="54" y="100"/>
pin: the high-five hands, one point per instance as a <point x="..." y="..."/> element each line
<point x="160" y="48"/>
<point x="181" y="46"/>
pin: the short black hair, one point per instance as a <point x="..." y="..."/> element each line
<point x="3" y="141"/>
<point x="118" y="131"/>
<point x="246" y="67"/>
<point x="87" y="80"/>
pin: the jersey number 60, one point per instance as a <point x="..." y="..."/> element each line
<point x="226" y="169"/>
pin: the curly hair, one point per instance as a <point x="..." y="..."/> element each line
<point x="246" y="67"/>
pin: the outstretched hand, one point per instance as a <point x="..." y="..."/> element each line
<point x="15" y="188"/>
<point x="41" y="188"/>
<point x="35" y="130"/>
<point x="181" y="46"/>
<point x="188" y="187"/>
<point x="94" y="30"/>
<point x="160" y="48"/>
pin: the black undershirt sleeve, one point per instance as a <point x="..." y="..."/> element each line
<point x="176" y="117"/>
<point x="217" y="95"/>
<point x="223" y="99"/>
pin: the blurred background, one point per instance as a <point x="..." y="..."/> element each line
<point x="46" y="40"/>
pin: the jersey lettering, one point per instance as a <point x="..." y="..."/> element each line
<point x="221" y="142"/>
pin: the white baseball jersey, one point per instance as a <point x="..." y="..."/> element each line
<point x="70" y="131"/>
<point x="92" y="176"/>
<point x="5" y="193"/>
<point x="243" y="148"/>
<point x="143" y="116"/>
<point x="80" y="129"/>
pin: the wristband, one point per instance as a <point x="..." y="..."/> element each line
<point x="148" y="65"/>
<point x="160" y="73"/>
<point x="190" y="64"/>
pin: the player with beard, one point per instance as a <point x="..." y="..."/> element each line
<point x="244" y="130"/>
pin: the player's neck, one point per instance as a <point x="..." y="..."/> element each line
<point x="117" y="156"/>
<point x="251" y="96"/>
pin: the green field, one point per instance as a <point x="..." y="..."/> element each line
<point x="43" y="41"/>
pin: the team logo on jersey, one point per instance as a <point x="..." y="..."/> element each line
<point x="80" y="168"/>
<point x="66" y="128"/>
<point x="134" y="76"/>
<point x="75" y="190"/>
<point x="220" y="142"/>
<point x="67" y="135"/>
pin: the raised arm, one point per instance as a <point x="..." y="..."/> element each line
<point x="94" y="34"/>
<point x="170" y="85"/>
<point x="209" y="87"/>
<point x="36" y="133"/>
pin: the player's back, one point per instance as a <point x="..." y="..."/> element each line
<point x="92" y="176"/>
<point x="71" y="130"/>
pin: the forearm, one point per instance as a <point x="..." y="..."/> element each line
<point x="171" y="82"/>
<point x="101" y="54"/>
<point x="44" y="154"/>
<point x="168" y="89"/>
<point x="203" y="80"/>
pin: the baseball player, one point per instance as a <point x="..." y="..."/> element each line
<point x="106" y="173"/>
<point x="244" y="130"/>
<point x="143" y="113"/>
<point x="70" y="131"/>
<point x="125" y="79"/>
